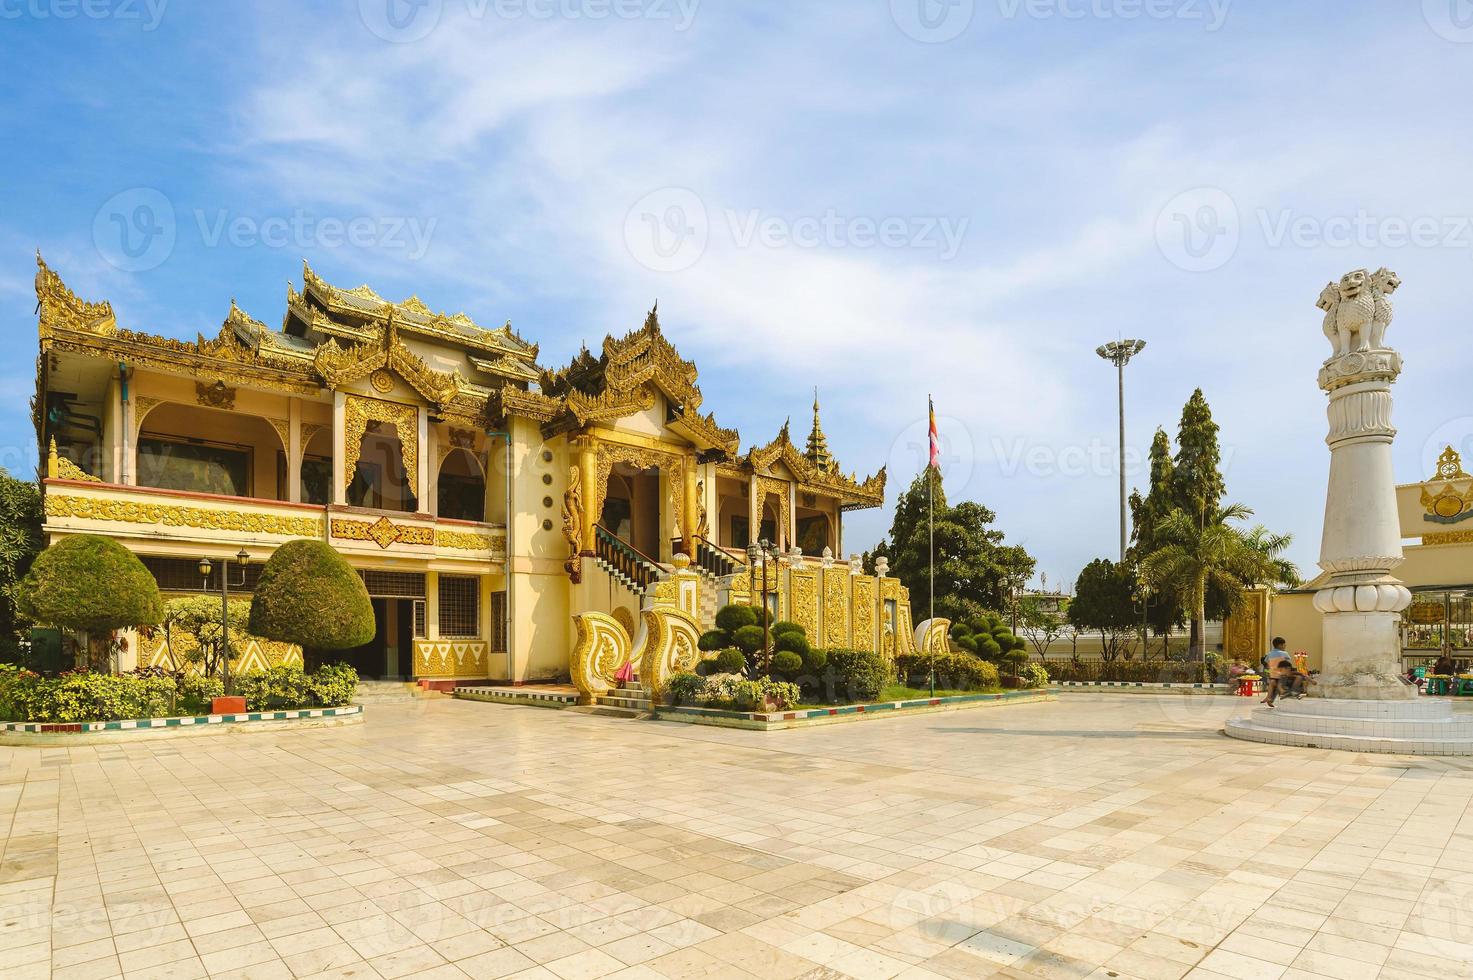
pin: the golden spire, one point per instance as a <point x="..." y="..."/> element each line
<point x="818" y="444"/>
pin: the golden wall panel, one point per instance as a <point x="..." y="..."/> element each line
<point x="863" y="615"/>
<point x="125" y="511"/>
<point x="450" y="658"/>
<point x="835" y="607"/>
<point x="804" y="599"/>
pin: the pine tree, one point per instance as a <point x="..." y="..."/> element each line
<point x="1197" y="477"/>
<point x="1166" y="606"/>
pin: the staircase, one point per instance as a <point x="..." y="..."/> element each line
<point x="626" y="702"/>
<point x="391" y="692"/>
<point x="624" y="564"/>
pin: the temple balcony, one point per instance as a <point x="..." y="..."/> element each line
<point x="186" y="523"/>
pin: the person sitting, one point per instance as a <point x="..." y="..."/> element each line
<point x="1285" y="679"/>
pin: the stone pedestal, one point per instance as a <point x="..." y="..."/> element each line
<point x="1361" y="701"/>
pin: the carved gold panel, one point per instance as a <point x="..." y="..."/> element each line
<point x="835" y="607"/>
<point x="175" y="515"/>
<point x="670" y="647"/>
<point x="603" y="647"/>
<point x="865" y="588"/>
<point x="804" y="599"/>
<point x="382" y="532"/>
<point x="768" y="486"/>
<point x="450" y="658"/>
<point x="405" y="420"/>
<point x="1245" y="631"/>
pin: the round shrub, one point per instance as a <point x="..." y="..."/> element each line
<point x="791" y="642"/>
<point x="967" y="642"/>
<point x="787" y="626"/>
<point x="684" y="688"/>
<point x="713" y="640"/>
<point x="815" y="660"/>
<point x="786" y="663"/>
<point x="731" y="661"/>
<point x="855" y="675"/>
<point x="88" y="582"/>
<point x="310" y="596"/>
<point x="749" y="639"/>
<point x="989" y="649"/>
<point x="732" y="618"/>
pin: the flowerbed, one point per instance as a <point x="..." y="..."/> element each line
<point x="151" y="692"/>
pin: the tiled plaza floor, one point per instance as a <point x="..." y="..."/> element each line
<point x="1100" y="835"/>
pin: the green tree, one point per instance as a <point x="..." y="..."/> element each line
<point x="192" y="627"/>
<point x="1103" y="602"/>
<point x="1214" y="554"/>
<point x="20" y="543"/>
<point x="310" y="596"/>
<point x="1041" y="626"/>
<point x="973" y="565"/>
<point x="1196" y="476"/>
<point x="1166" y="608"/>
<point x="93" y="585"/>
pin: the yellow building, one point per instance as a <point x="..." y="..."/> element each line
<point x="1436" y="517"/>
<point x="484" y="500"/>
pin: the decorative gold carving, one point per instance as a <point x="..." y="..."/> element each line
<point x="836" y="607"/>
<point x="932" y="637"/>
<point x="259" y="654"/>
<point x="820" y="475"/>
<point x="573" y="523"/>
<point x="1448" y="537"/>
<point x="215" y="395"/>
<point x="603" y="647"/>
<point x="1245" y="631"/>
<point x="889" y="612"/>
<point x="62" y="309"/>
<point x="453" y="657"/>
<point x="1451" y="503"/>
<point x="804" y="599"/>
<point x="864" y="612"/>
<point x="703" y="520"/>
<point x="904" y="632"/>
<point x="173" y="515"/>
<point x="58" y="467"/>
<point x="381" y="381"/>
<point x="284" y="430"/>
<point x="670" y="647"/>
<point x="606" y="454"/>
<point x="405" y="419"/>
<point x="382" y="532"/>
<point x="142" y="405"/>
<point x="309" y="432"/>
<point x="769" y="486"/>
<point x="468" y="540"/>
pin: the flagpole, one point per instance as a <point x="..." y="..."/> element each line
<point x="931" y="519"/>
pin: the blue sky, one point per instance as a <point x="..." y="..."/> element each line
<point x="881" y="197"/>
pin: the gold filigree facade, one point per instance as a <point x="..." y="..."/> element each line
<point x="358" y="412"/>
<point x="178" y="515"/>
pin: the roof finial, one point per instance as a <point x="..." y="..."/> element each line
<point x="818" y="445"/>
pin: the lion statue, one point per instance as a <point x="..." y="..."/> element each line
<point x="1358" y="310"/>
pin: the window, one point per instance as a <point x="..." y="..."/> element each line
<point x="498" y="622"/>
<point x="462" y="498"/>
<point x="194" y="466"/>
<point x="460" y="605"/>
<point x="316" y="480"/>
<point x="419" y="619"/>
<point x="182" y="574"/>
<point x="394" y="585"/>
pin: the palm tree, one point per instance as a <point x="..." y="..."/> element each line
<point x="1215" y="554"/>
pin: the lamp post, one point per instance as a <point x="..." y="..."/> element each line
<point x="763" y="551"/>
<point x="205" y="566"/>
<point x="1119" y="353"/>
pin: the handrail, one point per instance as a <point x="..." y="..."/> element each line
<point x="712" y="558"/>
<point x="625" y="558"/>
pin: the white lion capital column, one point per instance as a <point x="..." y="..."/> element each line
<point x="1362" y="601"/>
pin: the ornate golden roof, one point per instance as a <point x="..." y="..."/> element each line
<point x="60" y="308"/>
<point x="852" y="492"/>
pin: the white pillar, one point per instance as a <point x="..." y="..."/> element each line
<point x="339" y="449"/>
<point x="1361" y="546"/>
<point x="423" y="477"/>
<point x="294" y="450"/>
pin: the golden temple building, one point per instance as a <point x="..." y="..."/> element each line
<point x="486" y="501"/>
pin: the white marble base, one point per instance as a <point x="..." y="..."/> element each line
<point x="1427" y="726"/>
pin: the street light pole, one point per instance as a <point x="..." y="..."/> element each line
<point x="1119" y="353"/>
<point x="204" y="567"/>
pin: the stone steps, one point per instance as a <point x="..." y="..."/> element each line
<point x="1425" y="727"/>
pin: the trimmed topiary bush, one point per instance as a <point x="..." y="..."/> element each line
<point x="815" y="660"/>
<point x="90" y="583"/>
<point x="855" y="675"/>
<point x="787" y="626"/>
<point x="712" y="640"/>
<point x="310" y="596"/>
<point x="785" y="663"/>
<point x="731" y="661"/>
<point x="791" y="642"/>
<point x="732" y="618"/>
<point x="749" y="639"/>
